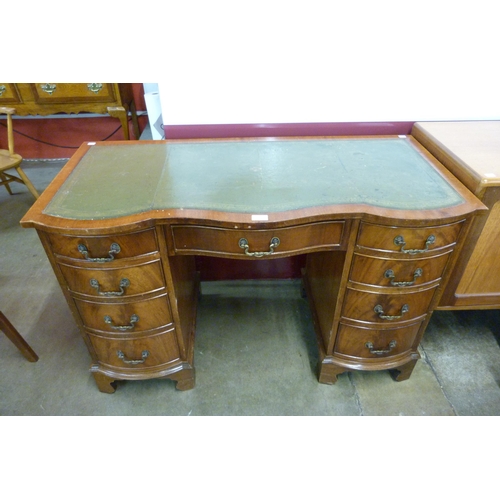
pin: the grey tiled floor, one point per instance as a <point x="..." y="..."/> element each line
<point x="255" y="350"/>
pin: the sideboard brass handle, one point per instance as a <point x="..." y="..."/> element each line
<point x="243" y="243"/>
<point x="389" y="274"/>
<point x="124" y="283"/>
<point x="113" y="249"/>
<point x="380" y="311"/>
<point x="144" y="355"/>
<point x="379" y="352"/>
<point x="122" y="328"/>
<point x="50" y="88"/>
<point x="94" y="87"/>
<point x="400" y="241"/>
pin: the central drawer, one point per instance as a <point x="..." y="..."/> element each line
<point x="241" y="243"/>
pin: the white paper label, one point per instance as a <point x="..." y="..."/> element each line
<point x="260" y="217"/>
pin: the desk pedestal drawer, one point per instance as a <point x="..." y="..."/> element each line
<point x="128" y="317"/>
<point x="136" y="353"/>
<point x="386" y="308"/>
<point x="86" y="248"/>
<point x="402" y="239"/>
<point x="367" y="343"/>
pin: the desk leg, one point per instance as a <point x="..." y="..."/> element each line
<point x="404" y="372"/>
<point x="104" y="383"/>
<point x="328" y="373"/>
<point x="121" y="113"/>
<point x="185" y="379"/>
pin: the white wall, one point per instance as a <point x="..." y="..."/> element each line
<point x="319" y="61"/>
<point x="268" y="61"/>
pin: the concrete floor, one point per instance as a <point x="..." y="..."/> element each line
<point x="255" y="350"/>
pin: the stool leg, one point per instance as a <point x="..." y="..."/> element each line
<point x="18" y="341"/>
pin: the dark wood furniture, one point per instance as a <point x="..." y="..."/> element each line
<point x="15" y="337"/>
<point x="381" y="221"/>
<point x="471" y="151"/>
<point x="115" y="99"/>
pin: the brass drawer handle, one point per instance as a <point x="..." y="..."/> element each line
<point x="380" y="352"/>
<point x="380" y="311"/>
<point x="124" y="283"/>
<point x="113" y="249"/>
<point x="50" y="88"/>
<point x="389" y="274"/>
<point x="400" y="241"/>
<point x="243" y="243"/>
<point x="144" y="355"/>
<point x="94" y="87"/>
<point x="122" y="328"/>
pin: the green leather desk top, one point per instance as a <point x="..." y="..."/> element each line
<point x="256" y="176"/>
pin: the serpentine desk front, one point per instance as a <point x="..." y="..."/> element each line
<point x="381" y="221"/>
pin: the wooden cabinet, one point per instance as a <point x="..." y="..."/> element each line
<point x="375" y="266"/>
<point x="115" y="99"/>
<point x="471" y="151"/>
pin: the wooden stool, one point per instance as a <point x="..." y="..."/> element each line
<point x="15" y="337"/>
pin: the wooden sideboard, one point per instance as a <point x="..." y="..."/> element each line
<point x="115" y="99"/>
<point x="471" y="151"/>
<point x="381" y="222"/>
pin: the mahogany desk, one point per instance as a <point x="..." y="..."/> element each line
<point x="381" y="221"/>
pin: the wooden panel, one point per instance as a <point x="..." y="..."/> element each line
<point x="482" y="274"/>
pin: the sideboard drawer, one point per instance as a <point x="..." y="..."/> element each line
<point x="190" y="239"/>
<point x="136" y="353"/>
<point x="386" y="308"/>
<point x="9" y="94"/>
<point x="129" y="317"/>
<point x="101" y="249"/>
<point x="408" y="239"/>
<point x="76" y="92"/>
<point x="373" y="343"/>
<point x="114" y="282"/>
<point x="397" y="273"/>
